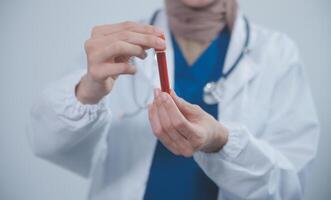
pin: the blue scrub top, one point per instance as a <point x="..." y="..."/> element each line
<point x="176" y="177"/>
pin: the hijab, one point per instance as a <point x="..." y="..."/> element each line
<point x="200" y="24"/>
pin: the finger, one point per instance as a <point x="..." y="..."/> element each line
<point x="144" y="40"/>
<point x="177" y="118"/>
<point x="157" y="130"/>
<point x="157" y="92"/>
<point x="118" y="48"/>
<point x="184" y="106"/>
<point x="184" y="146"/>
<point x="111" y="70"/>
<point x="103" y="30"/>
<point x="164" y="138"/>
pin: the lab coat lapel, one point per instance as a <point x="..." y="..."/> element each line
<point x="244" y="73"/>
<point x="246" y="68"/>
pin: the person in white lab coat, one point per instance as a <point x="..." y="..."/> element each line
<point x="103" y="123"/>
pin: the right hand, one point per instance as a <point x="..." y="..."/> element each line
<point x="108" y="53"/>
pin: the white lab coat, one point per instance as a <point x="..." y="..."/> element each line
<point x="266" y="105"/>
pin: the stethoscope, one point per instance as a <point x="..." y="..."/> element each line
<point x="211" y="95"/>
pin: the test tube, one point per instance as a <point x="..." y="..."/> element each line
<point x="163" y="69"/>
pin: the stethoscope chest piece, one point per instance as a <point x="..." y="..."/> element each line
<point x="209" y="93"/>
<point x="208" y="97"/>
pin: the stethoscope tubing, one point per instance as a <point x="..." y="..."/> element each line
<point x="210" y="96"/>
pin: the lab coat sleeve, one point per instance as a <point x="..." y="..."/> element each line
<point x="274" y="165"/>
<point x="64" y="131"/>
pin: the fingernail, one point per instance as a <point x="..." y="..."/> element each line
<point x="161" y="43"/>
<point x="156" y="93"/>
<point x="164" y="97"/>
<point x="158" y="31"/>
<point x="158" y="100"/>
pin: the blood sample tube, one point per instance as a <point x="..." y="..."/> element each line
<point x="163" y="69"/>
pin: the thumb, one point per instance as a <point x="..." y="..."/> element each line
<point x="184" y="106"/>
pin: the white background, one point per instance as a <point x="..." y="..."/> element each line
<point x="35" y="36"/>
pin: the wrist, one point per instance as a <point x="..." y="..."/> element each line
<point x="219" y="138"/>
<point x="88" y="91"/>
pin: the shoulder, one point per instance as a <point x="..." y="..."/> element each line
<point x="275" y="51"/>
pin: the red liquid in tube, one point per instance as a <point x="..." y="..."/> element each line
<point x="163" y="69"/>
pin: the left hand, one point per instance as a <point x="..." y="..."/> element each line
<point x="184" y="128"/>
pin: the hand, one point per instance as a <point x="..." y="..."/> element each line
<point x="108" y="53"/>
<point x="184" y="128"/>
